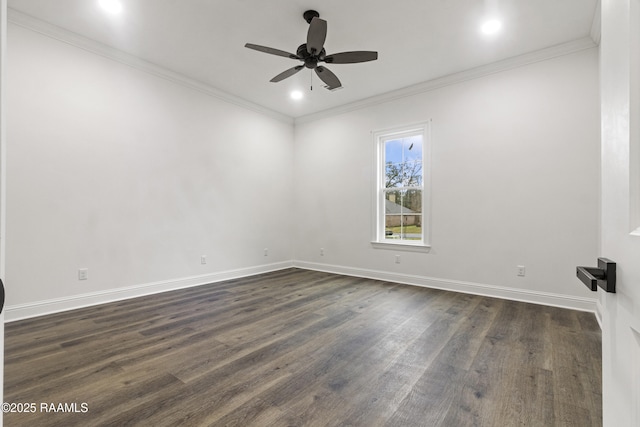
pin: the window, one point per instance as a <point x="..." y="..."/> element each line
<point x="402" y="187"/>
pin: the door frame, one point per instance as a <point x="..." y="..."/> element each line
<point x="3" y="175"/>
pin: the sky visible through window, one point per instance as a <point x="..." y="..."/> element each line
<point x="399" y="150"/>
<point x="403" y="162"/>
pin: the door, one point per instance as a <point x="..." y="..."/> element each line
<point x="620" y="211"/>
<point x="3" y="49"/>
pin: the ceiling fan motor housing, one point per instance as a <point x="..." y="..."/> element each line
<point x="310" y="61"/>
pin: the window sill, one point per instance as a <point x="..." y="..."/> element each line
<point x="401" y="246"/>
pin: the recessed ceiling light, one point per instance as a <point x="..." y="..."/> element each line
<point x="491" y="26"/>
<point x="296" y="94"/>
<point x="111" y="6"/>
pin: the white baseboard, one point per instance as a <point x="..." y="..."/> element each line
<point x="599" y="312"/>
<point x="543" y="298"/>
<point x="41" y="308"/>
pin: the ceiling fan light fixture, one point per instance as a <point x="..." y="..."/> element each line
<point x="111" y="6"/>
<point x="296" y="95"/>
<point x="491" y="26"/>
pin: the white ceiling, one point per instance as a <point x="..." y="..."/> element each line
<point x="417" y="40"/>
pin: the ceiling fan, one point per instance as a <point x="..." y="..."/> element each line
<point x="312" y="52"/>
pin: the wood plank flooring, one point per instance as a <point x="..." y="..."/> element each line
<point x="304" y="348"/>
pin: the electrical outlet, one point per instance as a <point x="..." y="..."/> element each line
<point x="321" y="251"/>
<point x="83" y="273"/>
<point x="203" y="259"/>
<point x="266" y="251"/>
<point x="521" y="270"/>
<point x="397" y="259"/>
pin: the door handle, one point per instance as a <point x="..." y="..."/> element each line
<point x="604" y="275"/>
<point x="1" y="296"/>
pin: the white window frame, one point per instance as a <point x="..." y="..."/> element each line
<point x="378" y="229"/>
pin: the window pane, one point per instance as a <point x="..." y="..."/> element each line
<point x="403" y="215"/>
<point x="412" y="161"/>
<point x="403" y="227"/>
<point x="393" y="200"/>
<point x="392" y="214"/>
<point x="412" y="227"/>
<point x="412" y="201"/>
<point x="411" y="215"/>
<point x="403" y="162"/>
<point x="393" y="151"/>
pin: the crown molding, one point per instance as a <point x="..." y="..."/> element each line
<point x="79" y="41"/>
<point x="452" y="79"/>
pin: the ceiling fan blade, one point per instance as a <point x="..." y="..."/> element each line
<point x="272" y="51"/>
<point x="328" y="77"/>
<point x="351" y="57"/>
<point x="290" y="72"/>
<point x="316" y="35"/>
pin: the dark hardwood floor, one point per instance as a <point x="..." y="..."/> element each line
<point x="304" y="348"/>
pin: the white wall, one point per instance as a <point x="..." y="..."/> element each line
<point x="515" y="182"/>
<point x="133" y="177"/>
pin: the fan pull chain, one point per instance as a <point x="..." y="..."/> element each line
<point x="311" y="79"/>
